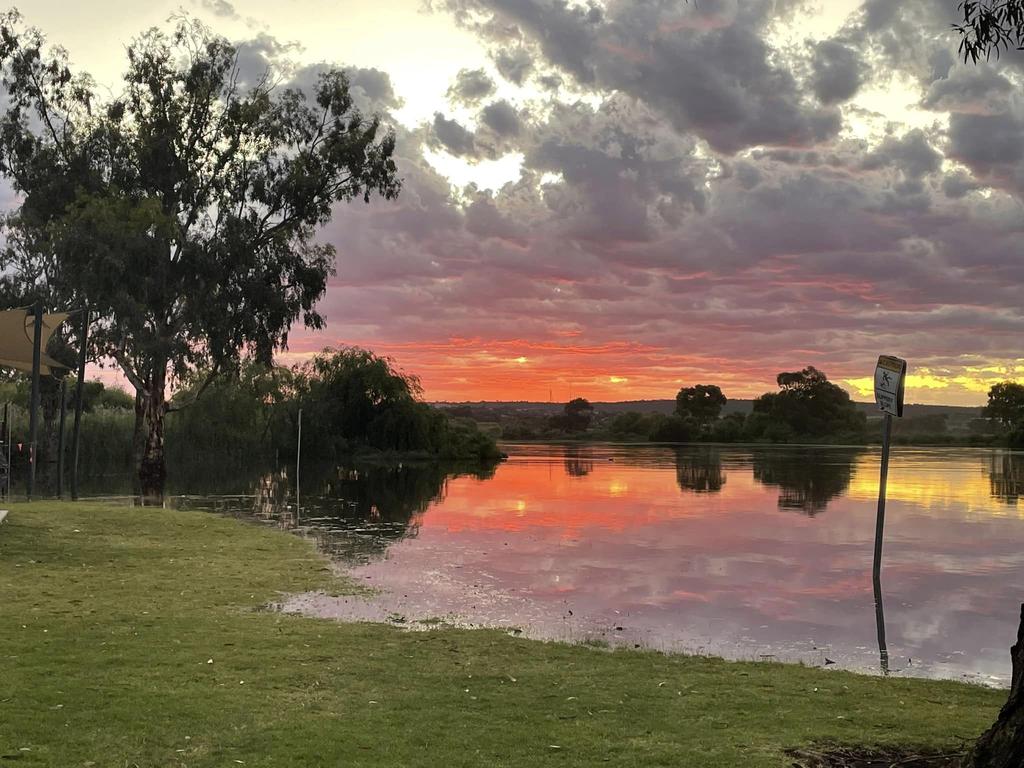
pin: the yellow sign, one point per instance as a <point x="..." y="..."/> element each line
<point x="890" y="374"/>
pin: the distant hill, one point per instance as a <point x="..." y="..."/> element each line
<point x="953" y="412"/>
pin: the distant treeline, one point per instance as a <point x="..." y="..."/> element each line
<point x="807" y="408"/>
<point x="353" y="403"/>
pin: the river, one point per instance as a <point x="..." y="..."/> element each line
<point x="747" y="552"/>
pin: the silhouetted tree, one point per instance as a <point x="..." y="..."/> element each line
<point x="807" y="480"/>
<point x="353" y="399"/>
<point x="699" y="470"/>
<point x="674" y="429"/>
<point x="1006" y="477"/>
<point x="702" y="403"/>
<point x="576" y="417"/>
<point x="729" y="429"/>
<point x="184" y="211"/>
<point x="632" y="425"/>
<point x="808" y="405"/>
<point x="1006" y="403"/>
<point x="578" y="463"/>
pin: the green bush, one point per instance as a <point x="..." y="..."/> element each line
<point x="674" y="429"/>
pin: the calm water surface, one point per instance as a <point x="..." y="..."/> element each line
<point x="745" y="552"/>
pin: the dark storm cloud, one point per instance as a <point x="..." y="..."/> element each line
<point x="838" y="71"/>
<point x="485" y="220"/>
<point x="470" y="86"/>
<point x="958" y="184"/>
<point x="748" y="175"/>
<point x="452" y="136"/>
<point x="913" y="36"/>
<point x="374" y="87"/>
<point x="621" y="176"/>
<point x="911" y="154"/>
<point x="514" y="64"/>
<point x="990" y="145"/>
<point x="551" y="82"/>
<point x="706" y="67"/>
<point x="262" y="57"/>
<point x="968" y="89"/>
<point x="700" y="200"/>
<point x="265" y="58"/>
<point x="502" y="118"/>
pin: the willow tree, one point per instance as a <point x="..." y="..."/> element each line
<point x="185" y="209"/>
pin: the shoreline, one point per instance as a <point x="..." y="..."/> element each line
<point x="139" y="637"/>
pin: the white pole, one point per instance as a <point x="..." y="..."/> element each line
<point x="298" y="464"/>
<point x="876" y="570"/>
<point x="7" y="438"/>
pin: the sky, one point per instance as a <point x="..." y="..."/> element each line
<point x="617" y="199"/>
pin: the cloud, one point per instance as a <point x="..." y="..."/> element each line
<point x="980" y="89"/>
<point x="452" y="136"/>
<point x="716" y="79"/>
<point x="470" y="86"/>
<point x="502" y="118"/>
<point x="838" y="71"/>
<point x="696" y="202"/>
<point x="992" y="146"/>
<point x="911" y="154"/>
<point x="514" y="64"/>
<point x="265" y="57"/>
<point x="221" y="8"/>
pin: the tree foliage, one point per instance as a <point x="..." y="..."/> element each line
<point x="807" y="405"/>
<point x="1006" y="403"/>
<point x="576" y="416"/>
<point x="182" y="210"/>
<point x="807" y="480"/>
<point x="702" y="403"/>
<point x="988" y="27"/>
<point x="244" y="418"/>
<point x="353" y="399"/>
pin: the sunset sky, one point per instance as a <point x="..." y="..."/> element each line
<point x="615" y="199"/>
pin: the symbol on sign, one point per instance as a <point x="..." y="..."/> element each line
<point x="889" y="377"/>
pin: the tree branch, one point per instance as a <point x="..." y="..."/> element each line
<point x="126" y="367"/>
<point x="199" y="393"/>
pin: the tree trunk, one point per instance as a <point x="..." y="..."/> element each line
<point x="1002" y="745"/>
<point x="151" y="406"/>
<point x="46" y="468"/>
<point x="138" y="441"/>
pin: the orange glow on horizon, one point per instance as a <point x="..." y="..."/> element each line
<point x="517" y="369"/>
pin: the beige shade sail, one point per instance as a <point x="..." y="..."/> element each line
<point x="16" y="328"/>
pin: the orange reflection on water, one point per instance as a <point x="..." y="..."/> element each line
<point x="967" y="480"/>
<point x="613" y="496"/>
<point x="739" y="550"/>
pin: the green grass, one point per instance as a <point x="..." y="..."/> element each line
<point x="109" y="617"/>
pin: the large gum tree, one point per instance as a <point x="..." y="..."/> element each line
<point x="184" y="210"/>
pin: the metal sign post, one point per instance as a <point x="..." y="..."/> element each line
<point x="5" y="450"/>
<point x="298" y="465"/>
<point x="79" y="386"/>
<point x="890" y="374"/>
<point x="33" y="415"/>
<point x="60" y="436"/>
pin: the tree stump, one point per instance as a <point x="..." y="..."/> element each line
<point x="1002" y="745"/>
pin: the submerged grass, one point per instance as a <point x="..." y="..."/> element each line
<point x="133" y="637"/>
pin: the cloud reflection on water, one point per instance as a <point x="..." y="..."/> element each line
<point x="697" y="548"/>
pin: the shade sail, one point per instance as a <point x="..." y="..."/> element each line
<point x="16" y="340"/>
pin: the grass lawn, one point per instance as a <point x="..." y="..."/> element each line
<point x="133" y="637"/>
